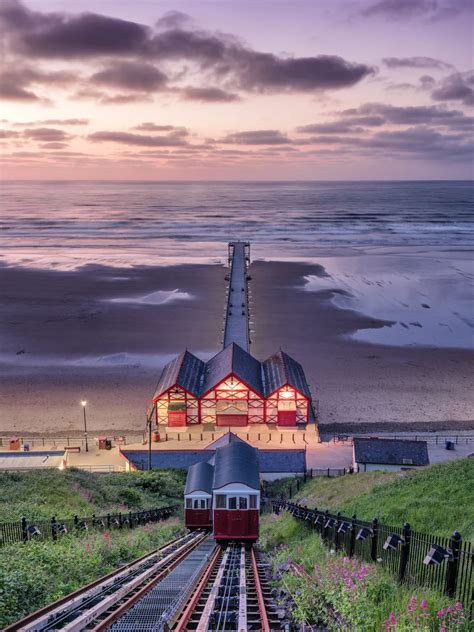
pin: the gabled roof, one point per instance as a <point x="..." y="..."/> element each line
<point x="390" y="451"/>
<point x="186" y="370"/>
<point x="229" y="437"/>
<point x="233" y="359"/>
<point x="199" y="478"/>
<point x="280" y="369"/>
<point x="236" y="463"/>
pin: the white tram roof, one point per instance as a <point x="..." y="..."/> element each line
<point x="199" y="478"/>
<point x="236" y="462"/>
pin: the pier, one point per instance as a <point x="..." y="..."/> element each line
<point x="236" y="322"/>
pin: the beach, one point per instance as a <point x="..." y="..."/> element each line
<point x="103" y="333"/>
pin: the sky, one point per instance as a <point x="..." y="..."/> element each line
<point x="236" y="89"/>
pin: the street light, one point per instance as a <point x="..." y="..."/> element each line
<point x="83" y="403"/>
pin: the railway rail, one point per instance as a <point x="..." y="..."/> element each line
<point x="189" y="584"/>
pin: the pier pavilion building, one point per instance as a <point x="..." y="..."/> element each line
<point x="233" y="388"/>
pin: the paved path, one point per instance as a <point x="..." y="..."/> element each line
<point x="236" y="328"/>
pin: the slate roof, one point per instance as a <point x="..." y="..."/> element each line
<point x="233" y="359"/>
<point x="270" y="461"/>
<point x="236" y="463"/>
<point x="285" y="461"/>
<point x="229" y="437"/>
<point x="199" y="478"/>
<point x="280" y="369"/>
<point x="186" y="370"/>
<point x="390" y="451"/>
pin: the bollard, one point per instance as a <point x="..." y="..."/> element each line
<point x="352" y="541"/>
<point x="453" y="564"/>
<point x="405" y="551"/>
<point x="54" y="533"/>
<point x="375" y="539"/>
<point x="325" y="529"/>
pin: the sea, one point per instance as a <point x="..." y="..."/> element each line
<point x="400" y="251"/>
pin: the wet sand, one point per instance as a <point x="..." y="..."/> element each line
<point x="63" y="339"/>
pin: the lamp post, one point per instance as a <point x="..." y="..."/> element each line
<point x="83" y="403"/>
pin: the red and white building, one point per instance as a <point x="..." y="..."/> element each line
<point x="232" y="389"/>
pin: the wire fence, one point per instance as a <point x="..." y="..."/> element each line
<point x="415" y="558"/>
<point x="41" y="530"/>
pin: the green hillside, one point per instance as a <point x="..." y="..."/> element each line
<point x="438" y="499"/>
<point x="39" y="495"/>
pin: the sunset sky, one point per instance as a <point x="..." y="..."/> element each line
<point x="237" y="89"/>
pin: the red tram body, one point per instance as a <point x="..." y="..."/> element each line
<point x="225" y="496"/>
<point x="198" y="496"/>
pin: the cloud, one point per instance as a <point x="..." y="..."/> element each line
<point x="430" y="9"/>
<point x="335" y="127"/>
<point x="47" y="134"/>
<point x="54" y="146"/>
<point x="6" y="133"/>
<point x="456" y="87"/>
<point x="66" y="36"/>
<point x="209" y="95"/>
<point x="415" y="62"/>
<point x="173" y="20"/>
<point x="74" y="121"/>
<point x="130" y="75"/>
<point x="257" y="137"/>
<point x="152" y="127"/>
<point x="404" y="115"/>
<point x="126" y="138"/>
<point x="223" y="57"/>
<point x="16" y="81"/>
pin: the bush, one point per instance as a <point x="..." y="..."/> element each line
<point x="34" y="574"/>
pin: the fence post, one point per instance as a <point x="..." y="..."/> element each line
<point x="453" y="564"/>
<point x="130" y="520"/>
<point x="405" y="552"/>
<point x="352" y="541"/>
<point x="120" y="520"/>
<point x="54" y="533"/>
<point x="297" y="484"/>
<point x="375" y="539"/>
<point x="76" y="521"/>
<point x="24" y="530"/>
<point x="336" y="531"/>
<point x="325" y="530"/>
<point x="328" y="473"/>
<point x="108" y="521"/>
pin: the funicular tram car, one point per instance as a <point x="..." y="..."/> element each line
<point x="236" y="493"/>
<point x="198" y="496"/>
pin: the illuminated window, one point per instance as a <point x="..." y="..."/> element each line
<point x="220" y="501"/>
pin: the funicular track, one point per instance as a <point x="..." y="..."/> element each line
<point x="233" y="595"/>
<point x="189" y="584"/>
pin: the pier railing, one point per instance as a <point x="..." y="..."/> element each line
<point x="415" y="558"/>
<point x="25" y="530"/>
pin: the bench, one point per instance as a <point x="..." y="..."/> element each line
<point x="72" y="448"/>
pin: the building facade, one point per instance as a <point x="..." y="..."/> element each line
<point x="232" y="389"/>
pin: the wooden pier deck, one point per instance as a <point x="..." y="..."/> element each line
<point x="236" y="324"/>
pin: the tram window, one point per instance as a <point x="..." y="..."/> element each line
<point x="220" y="501"/>
<point x="243" y="502"/>
<point x="232" y="502"/>
<point x="253" y="501"/>
<point x="189" y="503"/>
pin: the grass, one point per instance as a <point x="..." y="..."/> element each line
<point x="438" y="499"/>
<point x="341" y="593"/>
<point x="34" y="574"/>
<point x="40" y="495"/>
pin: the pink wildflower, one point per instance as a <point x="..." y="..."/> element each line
<point x="423" y="604"/>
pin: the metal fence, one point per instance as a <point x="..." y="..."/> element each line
<point x="419" y="559"/>
<point x="42" y="530"/>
